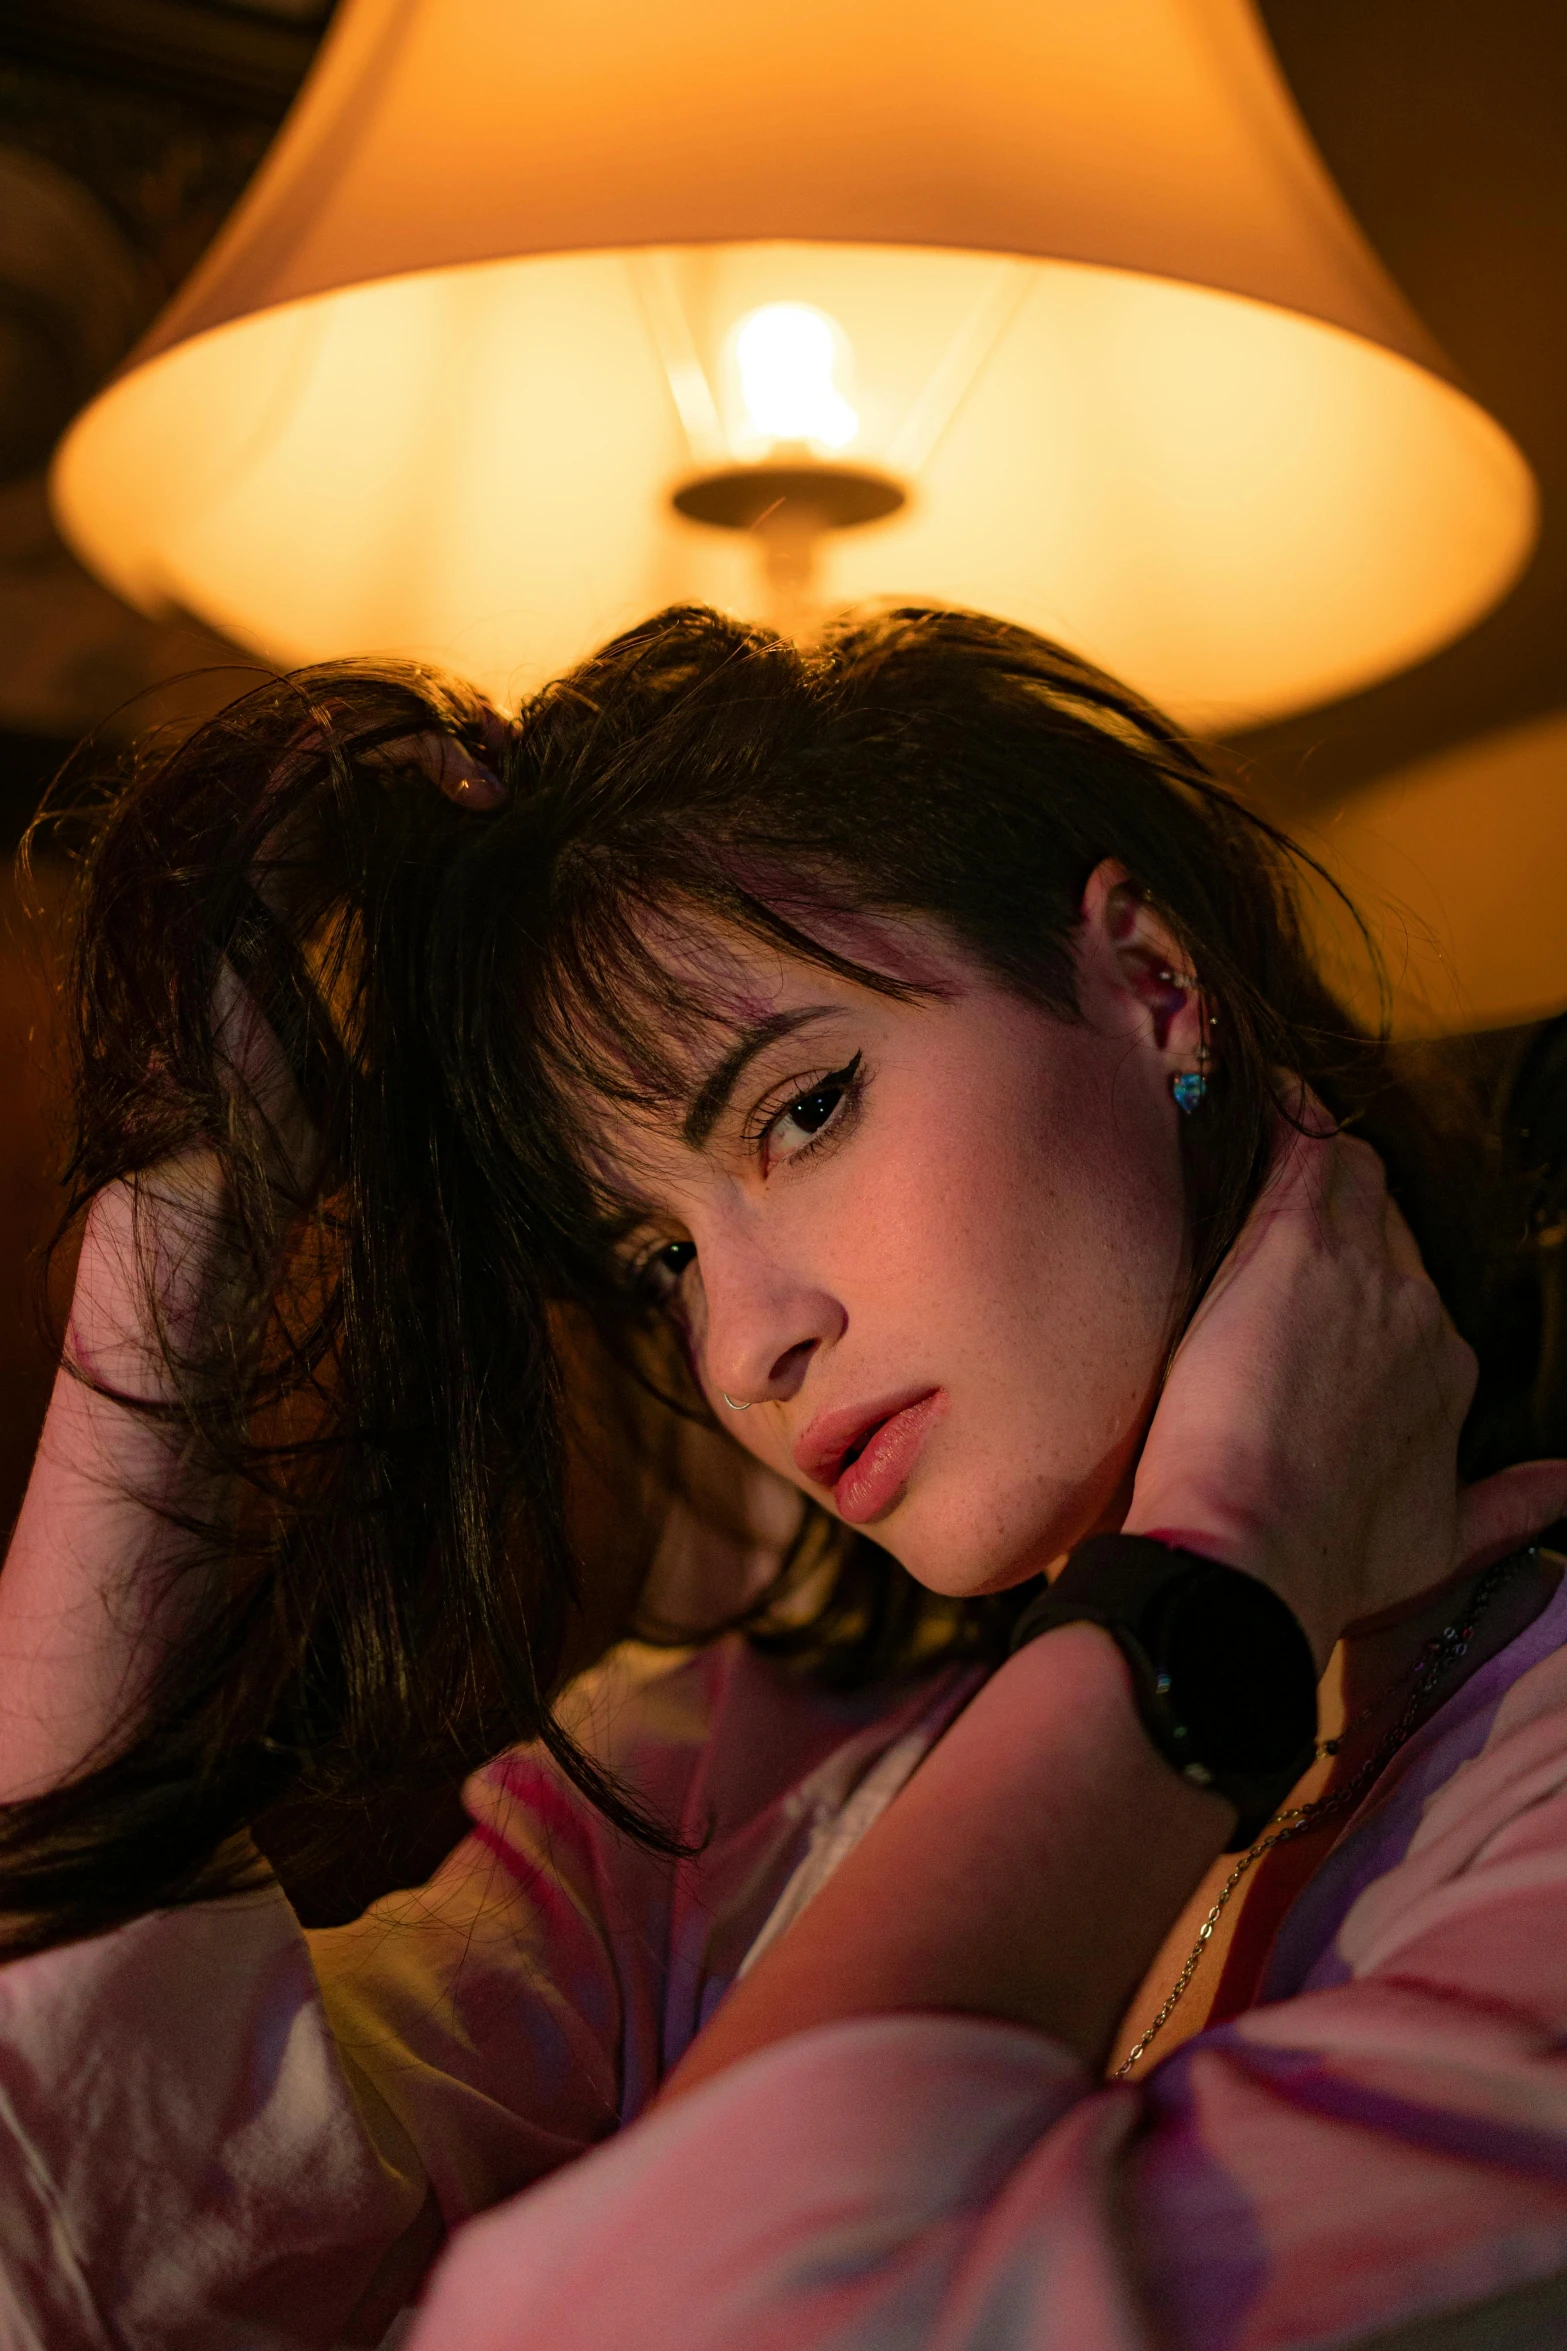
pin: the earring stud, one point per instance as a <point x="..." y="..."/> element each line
<point x="1190" y="1086"/>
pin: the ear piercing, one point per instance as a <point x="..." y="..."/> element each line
<point x="1190" y="1086"/>
<point x="733" y="1406"/>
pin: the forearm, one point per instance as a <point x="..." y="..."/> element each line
<point x="1029" y="1873"/>
<point x="88" y="1598"/>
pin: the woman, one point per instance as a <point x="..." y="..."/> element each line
<point x="880" y="1055"/>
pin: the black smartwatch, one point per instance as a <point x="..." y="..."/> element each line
<point x="1224" y="1677"/>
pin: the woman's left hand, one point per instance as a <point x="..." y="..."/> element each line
<point x="1308" y="1428"/>
<point x="1308" y="1432"/>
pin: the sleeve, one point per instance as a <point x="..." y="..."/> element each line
<point x="216" y="2130"/>
<point x="1341" y="2167"/>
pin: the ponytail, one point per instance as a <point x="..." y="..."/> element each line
<point x="384" y="1590"/>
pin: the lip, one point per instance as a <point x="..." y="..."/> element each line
<point x="890" y="1434"/>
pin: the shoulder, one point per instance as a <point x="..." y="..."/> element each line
<point x="1445" y="1833"/>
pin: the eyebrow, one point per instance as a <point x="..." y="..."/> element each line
<point x="711" y="1099"/>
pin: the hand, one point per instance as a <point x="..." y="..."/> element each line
<point x="1308" y="1428"/>
<point x="450" y="765"/>
<point x="96" y="1586"/>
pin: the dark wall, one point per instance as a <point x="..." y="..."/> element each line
<point x="29" y="1150"/>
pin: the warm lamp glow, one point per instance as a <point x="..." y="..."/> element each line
<point x="787" y="358"/>
<point x="1067" y="284"/>
<point x="1458" y="865"/>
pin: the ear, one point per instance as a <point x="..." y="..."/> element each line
<point x="1135" y="980"/>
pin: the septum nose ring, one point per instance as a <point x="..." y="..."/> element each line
<point x="733" y="1406"/>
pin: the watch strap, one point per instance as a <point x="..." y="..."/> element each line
<point x="1222" y="1673"/>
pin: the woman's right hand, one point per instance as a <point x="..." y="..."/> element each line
<point x="1308" y="1427"/>
<point x="98" y="1579"/>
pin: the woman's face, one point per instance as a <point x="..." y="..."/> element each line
<point x="935" y="1247"/>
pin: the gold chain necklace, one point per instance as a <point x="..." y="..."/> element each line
<point x="1435" y="1662"/>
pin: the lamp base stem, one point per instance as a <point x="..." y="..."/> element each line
<point x="789" y="545"/>
<point x="787" y="507"/>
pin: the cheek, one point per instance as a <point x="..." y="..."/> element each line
<point x="1032" y="1264"/>
<point x="1049" y="1211"/>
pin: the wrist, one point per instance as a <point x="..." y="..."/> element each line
<point x="1221" y="1671"/>
<point x="155" y="1247"/>
<point x="1250" y="1541"/>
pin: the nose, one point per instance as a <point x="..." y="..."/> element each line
<point x="761" y="1324"/>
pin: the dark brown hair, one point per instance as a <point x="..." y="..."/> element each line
<point x="389" y="1591"/>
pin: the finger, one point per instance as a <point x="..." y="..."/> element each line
<point x="1502" y="1513"/>
<point x="448" y="763"/>
<point x="1400" y="1242"/>
<point x="463" y="778"/>
<point x="1355" y="1196"/>
<point x="497" y="734"/>
<point x="1358" y="1188"/>
<point x="1303" y="1126"/>
<point x="1297" y="1170"/>
<point x="1310" y="1114"/>
<point x="1316" y="1172"/>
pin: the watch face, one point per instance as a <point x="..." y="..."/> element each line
<point x="1233" y="1672"/>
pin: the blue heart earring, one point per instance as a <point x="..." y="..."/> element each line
<point x="1190" y="1086"/>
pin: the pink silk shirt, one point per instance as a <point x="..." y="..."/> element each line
<point x="219" y="2131"/>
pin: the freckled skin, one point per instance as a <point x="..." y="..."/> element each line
<point x="999" y="1215"/>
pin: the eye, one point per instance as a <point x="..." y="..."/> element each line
<point x="658" y="1277"/>
<point x="804" y="1118"/>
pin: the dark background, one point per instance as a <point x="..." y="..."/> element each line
<point x="136" y="123"/>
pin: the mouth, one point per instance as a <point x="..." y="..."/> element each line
<point x="866" y="1455"/>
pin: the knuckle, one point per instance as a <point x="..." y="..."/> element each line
<point x="1425" y="1300"/>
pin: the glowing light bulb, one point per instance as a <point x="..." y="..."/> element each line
<point x="787" y="357"/>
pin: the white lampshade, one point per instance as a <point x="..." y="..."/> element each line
<point x="1083" y="290"/>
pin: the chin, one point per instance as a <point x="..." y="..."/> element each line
<point x="965" y="1547"/>
<point x="966" y="1569"/>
